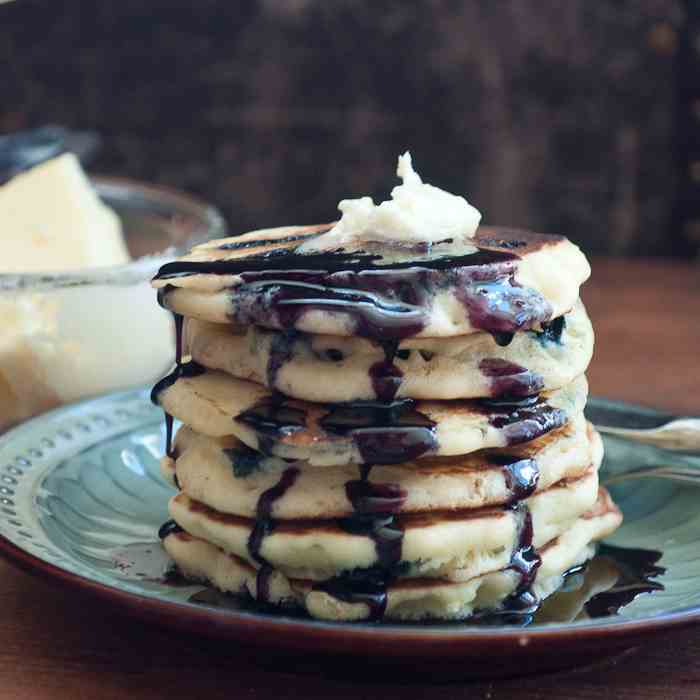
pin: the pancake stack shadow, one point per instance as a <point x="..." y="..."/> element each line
<point x="387" y="433"/>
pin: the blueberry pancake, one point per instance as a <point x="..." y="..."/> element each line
<point x="217" y="404"/>
<point x="227" y="476"/>
<point x="500" y="281"/>
<point x="334" y="369"/>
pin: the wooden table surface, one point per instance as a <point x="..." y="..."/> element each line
<point x="54" y="644"/>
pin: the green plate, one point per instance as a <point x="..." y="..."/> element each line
<point x="81" y="500"/>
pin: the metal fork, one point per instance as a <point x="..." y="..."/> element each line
<point x="629" y="457"/>
<point x="681" y="434"/>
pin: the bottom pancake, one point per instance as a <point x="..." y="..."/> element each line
<point x="402" y="598"/>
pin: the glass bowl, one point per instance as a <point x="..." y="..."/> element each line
<point x="71" y="335"/>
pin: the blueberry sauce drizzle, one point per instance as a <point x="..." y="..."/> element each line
<point x="367" y="497"/>
<point x="272" y="419"/>
<point x="374" y="506"/>
<point x="169" y="527"/>
<point x="368" y="586"/>
<point x="384" y="299"/>
<point x="521" y="477"/>
<point x="264" y="525"/>
<point x="520" y="425"/>
<point x="386" y="433"/>
<point x="525" y="560"/>
<point x="636" y="568"/>
<point x="183" y="370"/>
<point x="188" y="369"/>
<point x="523" y="419"/>
<point x="510" y="379"/>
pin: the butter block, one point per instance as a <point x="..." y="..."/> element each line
<point x="52" y="220"/>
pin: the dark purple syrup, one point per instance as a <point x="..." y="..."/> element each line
<point x="367" y="497"/>
<point x="384" y="300"/>
<point x="385" y="433"/>
<point x="525" y="561"/>
<point x="521" y="477"/>
<point x="272" y="419"/>
<point x="522" y="419"/>
<point x="367" y="588"/>
<point x="169" y="527"/>
<point x="636" y="569"/>
<point x="374" y="506"/>
<point x="510" y="403"/>
<point x="262" y="583"/>
<point x="509" y="379"/>
<point x="499" y="305"/>
<point x="264" y="525"/>
<point x="189" y="369"/>
<point x="382" y="528"/>
<point x="521" y="425"/>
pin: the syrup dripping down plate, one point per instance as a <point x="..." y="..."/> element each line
<point x="81" y="501"/>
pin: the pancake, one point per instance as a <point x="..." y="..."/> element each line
<point x="455" y="545"/>
<point x="335" y="369"/>
<point x="216" y="404"/>
<point x="227" y="476"/>
<point x="501" y="281"/>
<point x="406" y="599"/>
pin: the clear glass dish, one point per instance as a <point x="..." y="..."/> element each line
<point x="67" y="336"/>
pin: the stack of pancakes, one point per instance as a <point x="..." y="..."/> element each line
<point x="387" y="432"/>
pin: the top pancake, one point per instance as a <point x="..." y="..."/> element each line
<point x="502" y="281"/>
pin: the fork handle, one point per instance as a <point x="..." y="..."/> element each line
<point x="681" y="434"/>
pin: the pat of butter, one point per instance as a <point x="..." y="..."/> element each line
<point x="416" y="213"/>
<point x="52" y="220"/>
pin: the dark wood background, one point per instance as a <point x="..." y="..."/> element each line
<point x="575" y="117"/>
